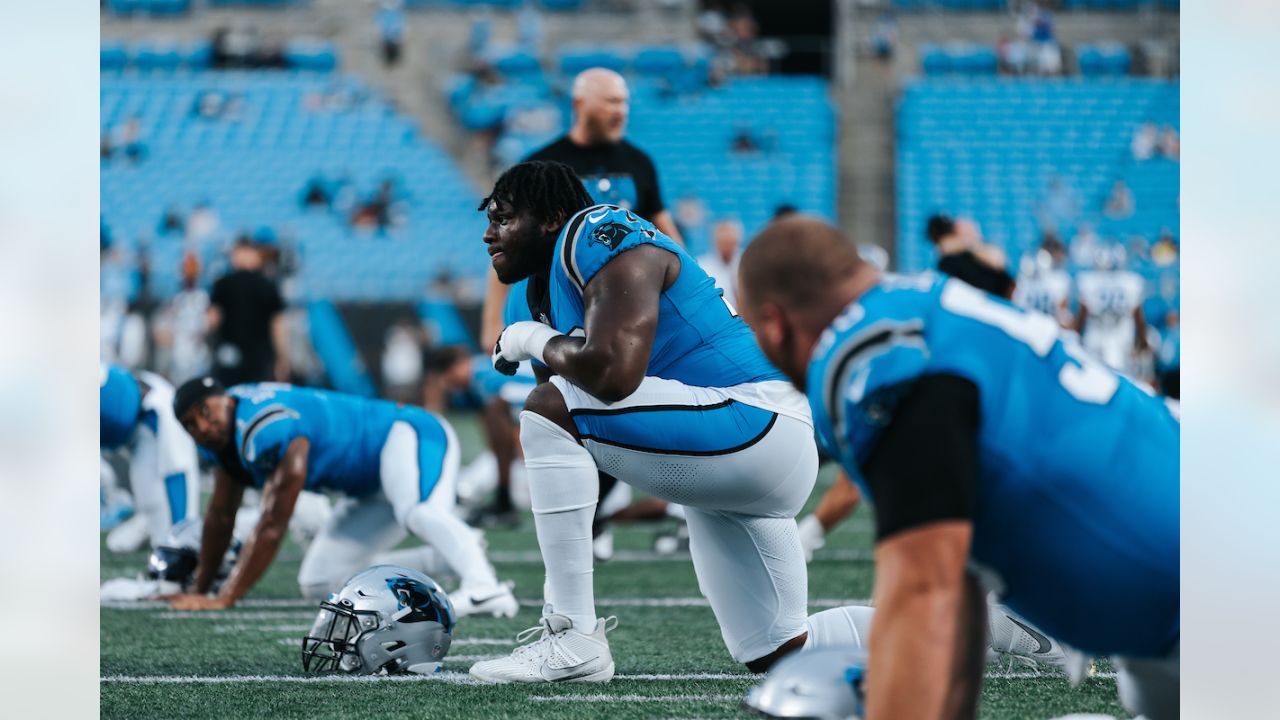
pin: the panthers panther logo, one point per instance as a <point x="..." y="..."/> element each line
<point x="610" y="234"/>
<point x="422" y="599"/>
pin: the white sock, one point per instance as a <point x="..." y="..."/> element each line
<point x="455" y="543"/>
<point x="850" y="625"/>
<point x="563" y="490"/>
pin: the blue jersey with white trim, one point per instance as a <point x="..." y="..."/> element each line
<point x="1076" y="512"/>
<point x="700" y="339"/>
<point x="120" y="406"/>
<point x="346" y="434"/>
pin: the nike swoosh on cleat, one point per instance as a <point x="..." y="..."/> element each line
<point x="568" y="673"/>
<point x="480" y="601"/>
<point x="1045" y="645"/>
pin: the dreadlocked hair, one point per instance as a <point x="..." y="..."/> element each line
<point x="548" y="190"/>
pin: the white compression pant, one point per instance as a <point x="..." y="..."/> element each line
<point x="740" y="505"/>
<point x="163" y="466"/>
<point x="363" y="530"/>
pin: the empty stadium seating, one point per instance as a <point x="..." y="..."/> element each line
<point x="988" y="149"/>
<point x="252" y="170"/>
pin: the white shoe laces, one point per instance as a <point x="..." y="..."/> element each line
<point x="544" y="626"/>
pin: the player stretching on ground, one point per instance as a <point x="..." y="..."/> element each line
<point x="395" y="464"/>
<point x="987" y="444"/>
<point x="137" y="415"/>
<point x="659" y="384"/>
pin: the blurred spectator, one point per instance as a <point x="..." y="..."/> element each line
<point x="402" y="362"/>
<point x="180" y="327"/>
<point x="1048" y="59"/>
<point x="1146" y="139"/>
<point x="1014" y="54"/>
<point x="390" y="21"/>
<point x="380" y="209"/>
<point x="884" y="35"/>
<point x="127" y="138"/>
<point x="1119" y="202"/>
<point x="963" y="255"/>
<point x="1041" y="25"/>
<point x="448" y="371"/>
<point x="745" y="32"/>
<point x="171" y="223"/>
<point x="744" y="142"/>
<point x="1084" y="246"/>
<point x="1165" y="251"/>
<point x="713" y="26"/>
<point x="722" y="262"/>
<point x="202" y="223"/>
<point x="316" y="193"/>
<point x="1060" y="206"/>
<point x="244" y="48"/>
<point x="218" y="105"/>
<point x="1170" y="145"/>
<point x="246" y="322"/>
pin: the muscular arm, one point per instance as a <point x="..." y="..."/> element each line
<point x="667" y="226"/>
<point x="928" y="620"/>
<point x="929" y="627"/>
<point x="621" y="309"/>
<point x="278" y="498"/>
<point x="219" y="522"/>
<point x="838" y="502"/>
<point x="495" y="299"/>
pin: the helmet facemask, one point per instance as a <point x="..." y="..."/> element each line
<point x="331" y="646"/>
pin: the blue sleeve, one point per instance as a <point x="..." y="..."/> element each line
<point x="598" y="234"/>
<point x="266" y="439"/>
<point x="866" y="378"/>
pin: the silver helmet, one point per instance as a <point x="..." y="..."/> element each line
<point x="385" y="619"/>
<point x="823" y="683"/>
<point x="172" y="563"/>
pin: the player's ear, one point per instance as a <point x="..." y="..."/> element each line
<point x="554" y="223"/>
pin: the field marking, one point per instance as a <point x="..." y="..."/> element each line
<point x="459" y="678"/>
<point x="635" y="698"/>
<point x="281" y="605"/>
<point x="630" y="556"/>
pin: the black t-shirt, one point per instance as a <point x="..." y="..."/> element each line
<point x="912" y="487"/>
<point x="966" y="266"/>
<point x="248" y="300"/>
<point x="615" y="173"/>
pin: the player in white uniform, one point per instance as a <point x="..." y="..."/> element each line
<point x="136" y="416"/>
<point x="1043" y="287"/>
<point x="1110" y="319"/>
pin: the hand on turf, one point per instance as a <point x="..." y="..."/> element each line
<point x="193" y="601"/>
<point x="520" y="341"/>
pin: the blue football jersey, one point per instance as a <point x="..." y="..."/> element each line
<point x="346" y="434"/>
<point x="700" y="339"/>
<point x="1076" y="512"/>
<point x="120" y="406"/>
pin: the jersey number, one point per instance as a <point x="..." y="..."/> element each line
<point x="1084" y="378"/>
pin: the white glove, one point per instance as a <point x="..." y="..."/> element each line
<point x="812" y="536"/>
<point x="520" y="341"/>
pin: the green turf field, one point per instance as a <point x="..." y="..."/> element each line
<point x="671" y="663"/>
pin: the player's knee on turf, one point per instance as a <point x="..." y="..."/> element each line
<point x="762" y="664"/>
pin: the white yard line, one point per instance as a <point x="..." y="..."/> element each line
<point x="634" y="698"/>
<point x="464" y="679"/>
<point x="283" y="607"/>
<point x="629" y="556"/>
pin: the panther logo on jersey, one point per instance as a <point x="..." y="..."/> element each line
<point x="610" y="234"/>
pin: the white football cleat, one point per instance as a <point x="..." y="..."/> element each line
<point x="561" y="654"/>
<point x="494" y="600"/>
<point x="1018" y="639"/>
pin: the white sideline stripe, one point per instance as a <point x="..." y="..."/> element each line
<point x="464" y="679"/>
<point x="634" y="698"/>
<point x="628" y="556"/>
<point x="299" y="605"/>
<point x="446" y="677"/>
